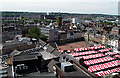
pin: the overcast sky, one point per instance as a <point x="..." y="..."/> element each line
<point x="72" y="6"/>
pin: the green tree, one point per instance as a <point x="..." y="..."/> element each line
<point x="109" y="23"/>
<point x="43" y="37"/>
<point x="34" y="32"/>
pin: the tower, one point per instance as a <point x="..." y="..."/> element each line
<point x="59" y="20"/>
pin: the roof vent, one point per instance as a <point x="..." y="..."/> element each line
<point x="67" y="67"/>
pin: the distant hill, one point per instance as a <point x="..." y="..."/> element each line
<point x="6" y="13"/>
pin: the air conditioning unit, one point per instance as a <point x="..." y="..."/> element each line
<point x="26" y="67"/>
<point x="67" y="66"/>
<point x="20" y="68"/>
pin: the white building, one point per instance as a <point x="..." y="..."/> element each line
<point x="77" y="20"/>
<point x="114" y="42"/>
<point x="73" y="21"/>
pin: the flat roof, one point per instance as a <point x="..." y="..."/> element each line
<point x="24" y="56"/>
<point x="33" y="74"/>
<point x="12" y="44"/>
<point x="75" y="73"/>
<point x="37" y="74"/>
<point x="21" y="58"/>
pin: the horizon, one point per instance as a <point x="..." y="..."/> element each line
<point x="108" y="7"/>
<point x="60" y="12"/>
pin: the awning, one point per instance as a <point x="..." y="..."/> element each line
<point x="103" y="66"/>
<point x="110" y="53"/>
<point x="68" y="51"/>
<point x="102" y="73"/>
<point x="104" y="50"/>
<point x="60" y="50"/>
<point x="83" y="53"/>
<point x="80" y="49"/>
<point x="90" y="62"/>
<point x="91" y="56"/>
<point x="118" y="56"/>
<point x="97" y="47"/>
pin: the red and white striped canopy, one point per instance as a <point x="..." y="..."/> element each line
<point x="68" y="51"/>
<point x="110" y="53"/>
<point x="83" y="53"/>
<point x="104" y="50"/>
<point x="80" y="49"/>
<point x="97" y="47"/>
<point x="60" y="50"/>
<point x="104" y="66"/>
<point x="118" y="56"/>
<point x="108" y="71"/>
<point x="89" y="62"/>
<point x="91" y="56"/>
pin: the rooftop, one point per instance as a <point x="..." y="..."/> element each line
<point x="32" y="54"/>
<point x="32" y="74"/>
<point x="25" y="57"/>
<point x="77" y="72"/>
<point x="47" y="55"/>
<point x="13" y="43"/>
<point x="98" y="60"/>
<point x="26" y="54"/>
<point x="38" y="75"/>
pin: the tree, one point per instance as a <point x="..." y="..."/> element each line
<point x="109" y="23"/>
<point x="34" y="32"/>
<point x="43" y="37"/>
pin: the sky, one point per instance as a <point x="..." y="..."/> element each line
<point x="68" y="6"/>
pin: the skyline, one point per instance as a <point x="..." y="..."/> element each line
<point x="109" y="7"/>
